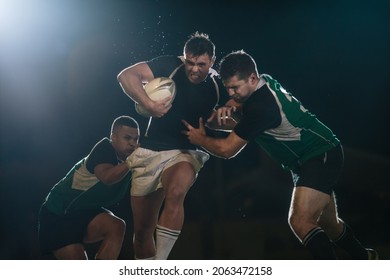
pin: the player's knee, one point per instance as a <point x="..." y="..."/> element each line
<point x="118" y="226"/>
<point x="176" y="193"/>
<point x="331" y="225"/>
<point x="296" y="222"/>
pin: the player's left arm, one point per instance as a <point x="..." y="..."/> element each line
<point x="226" y="148"/>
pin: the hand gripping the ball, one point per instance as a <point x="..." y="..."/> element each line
<point x="162" y="91"/>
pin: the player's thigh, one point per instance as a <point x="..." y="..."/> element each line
<point x="103" y="224"/>
<point x="308" y="203"/>
<point x="179" y="177"/>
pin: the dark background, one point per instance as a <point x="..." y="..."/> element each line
<point x="59" y="95"/>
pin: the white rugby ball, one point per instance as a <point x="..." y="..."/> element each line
<point x="157" y="89"/>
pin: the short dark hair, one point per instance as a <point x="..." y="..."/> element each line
<point x="237" y="63"/>
<point x="123" y="121"/>
<point x="199" y="44"/>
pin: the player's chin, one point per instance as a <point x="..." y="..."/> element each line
<point x="195" y="79"/>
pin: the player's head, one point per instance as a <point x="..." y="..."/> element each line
<point x="124" y="136"/>
<point x="237" y="63"/>
<point x="198" y="44"/>
<point x="239" y="75"/>
<point x="199" y="57"/>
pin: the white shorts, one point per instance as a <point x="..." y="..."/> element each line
<point x="147" y="167"/>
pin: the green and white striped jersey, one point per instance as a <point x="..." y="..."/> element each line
<point x="80" y="189"/>
<point x="279" y="123"/>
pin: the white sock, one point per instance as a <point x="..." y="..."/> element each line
<point x="165" y="239"/>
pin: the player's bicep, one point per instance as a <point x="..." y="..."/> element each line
<point x="140" y="71"/>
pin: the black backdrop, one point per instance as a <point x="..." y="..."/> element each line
<point x="59" y="95"/>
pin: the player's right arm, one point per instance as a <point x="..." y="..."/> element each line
<point x="110" y="174"/>
<point x="132" y="79"/>
<point x="103" y="162"/>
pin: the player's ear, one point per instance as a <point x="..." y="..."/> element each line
<point x="253" y="79"/>
<point x="113" y="137"/>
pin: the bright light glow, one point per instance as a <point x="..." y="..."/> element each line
<point x="35" y="41"/>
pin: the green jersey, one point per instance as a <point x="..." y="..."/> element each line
<point x="279" y="123"/>
<point x="80" y="189"/>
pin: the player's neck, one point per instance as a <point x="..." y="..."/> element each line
<point x="260" y="83"/>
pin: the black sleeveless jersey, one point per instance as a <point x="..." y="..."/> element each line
<point x="191" y="102"/>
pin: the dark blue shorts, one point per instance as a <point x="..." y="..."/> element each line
<point x="321" y="172"/>
<point x="57" y="231"/>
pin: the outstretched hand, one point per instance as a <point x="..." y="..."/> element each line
<point x="195" y="135"/>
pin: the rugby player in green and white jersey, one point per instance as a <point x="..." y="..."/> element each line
<point x="74" y="214"/>
<point x="296" y="139"/>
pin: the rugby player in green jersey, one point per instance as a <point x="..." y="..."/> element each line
<point x="293" y="137"/>
<point x="73" y="213"/>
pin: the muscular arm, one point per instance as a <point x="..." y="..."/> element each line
<point x="131" y="80"/>
<point x="227" y="147"/>
<point x="110" y="174"/>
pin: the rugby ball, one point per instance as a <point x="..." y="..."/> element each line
<point x="157" y="89"/>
